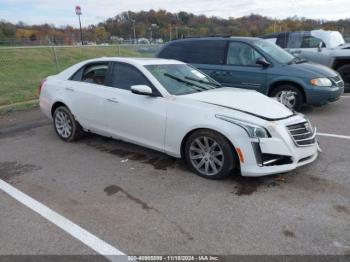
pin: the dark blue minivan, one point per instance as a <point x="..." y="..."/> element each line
<point x="257" y="64"/>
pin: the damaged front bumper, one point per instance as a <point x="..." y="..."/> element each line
<point x="289" y="147"/>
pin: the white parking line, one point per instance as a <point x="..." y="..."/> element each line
<point x="345" y="96"/>
<point x="333" y="135"/>
<point x="74" y="230"/>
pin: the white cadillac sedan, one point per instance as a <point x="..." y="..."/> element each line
<point x="172" y="107"/>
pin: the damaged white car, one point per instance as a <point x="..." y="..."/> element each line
<point x="172" y="107"/>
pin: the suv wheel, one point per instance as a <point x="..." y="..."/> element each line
<point x="288" y="95"/>
<point x="344" y="71"/>
<point x="210" y="155"/>
<point x="65" y="125"/>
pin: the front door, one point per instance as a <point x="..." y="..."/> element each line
<point x="136" y="118"/>
<point x="241" y="69"/>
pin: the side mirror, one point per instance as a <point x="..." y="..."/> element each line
<point x="262" y="61"/>
<point x="141" y="90"/>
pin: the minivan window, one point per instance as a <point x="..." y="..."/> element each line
<point x="176" y="50"/>
<point x="241" y="54"/>
<point x="124" y="76"/>
<point x="207" y="52"/>
<point x="274" y="51"/>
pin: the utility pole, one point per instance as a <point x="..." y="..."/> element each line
<point x="170" y="33"/>
<point x="79" y="13"/>
<point x="134" y="30"/>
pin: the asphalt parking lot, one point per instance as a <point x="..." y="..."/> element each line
<point x="142" y="202"/>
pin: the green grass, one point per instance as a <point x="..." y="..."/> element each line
<point x="22" y="69"/>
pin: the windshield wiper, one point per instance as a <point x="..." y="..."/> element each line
<point x="203" y="82"/>
<point x="199" y="87"/>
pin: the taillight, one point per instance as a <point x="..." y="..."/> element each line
<point x="42" y="82"/>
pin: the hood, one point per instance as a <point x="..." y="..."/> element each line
<point x="312" y="70"/>
<point x="246" y="101"/>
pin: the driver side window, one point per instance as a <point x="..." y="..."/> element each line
<point x="241" y="54"/>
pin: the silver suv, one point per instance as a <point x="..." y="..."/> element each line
<point x="319" y="46"/>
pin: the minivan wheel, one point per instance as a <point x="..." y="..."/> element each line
<point x="65" y="125"/>
<point x="344" y="72"/>
<point x="289" y="95"/>
<point x="210" y="154"/>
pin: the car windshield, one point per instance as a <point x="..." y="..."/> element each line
<point x="274" y="51"/>
<point x="181" y="79"/>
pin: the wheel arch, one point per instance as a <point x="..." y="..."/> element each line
<point x="338" y="63"/>
<point x="278" y="83"/>
<point x="57" y="104"/>
<point x="189" y="133"/>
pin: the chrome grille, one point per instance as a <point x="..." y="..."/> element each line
<point x="302" y="133"/>
<point x="337" y="81"/>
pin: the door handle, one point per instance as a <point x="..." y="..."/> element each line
<point x="113" y="100"/>
<point x="215" y="73"/>
<point x="69" y="89"/>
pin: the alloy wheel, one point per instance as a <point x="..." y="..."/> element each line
<point x="63" y="124"/>
<point x="206" y="156"/>
<point x="287" y="98"/>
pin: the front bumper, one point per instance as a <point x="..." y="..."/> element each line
<point x="282" y="145"/>
<point x="317" y="96"/>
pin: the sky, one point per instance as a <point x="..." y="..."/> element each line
<point x="61" y="12"/>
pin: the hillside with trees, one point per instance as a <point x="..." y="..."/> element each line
<point x="159" y="25"/>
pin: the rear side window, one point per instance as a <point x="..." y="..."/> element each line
<point x="93" y="73"/>
<point x="124" y="76"/>
<point x="282" y="40"/>
<point x="295" y="40"/>
<point x="196" y="51"/>
<point x="176" y="50"/>
<point x="207" y="52"/>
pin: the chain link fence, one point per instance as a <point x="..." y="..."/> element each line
<point x="22" y="68"/>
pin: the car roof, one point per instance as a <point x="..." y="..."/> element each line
<point x="141" y="61"/>
<point x="237" y="38"/>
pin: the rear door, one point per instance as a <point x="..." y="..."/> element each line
<point x="241" y="69"/>
<point x="86" y="94"/>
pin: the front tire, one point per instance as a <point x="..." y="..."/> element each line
<point x="344" y="71"/>
<point x="65" y="125"/>
<point x="289" y="95"/>
<point x="210" y="155"/>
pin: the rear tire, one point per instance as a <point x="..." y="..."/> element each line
<point x="344" y="71"/>
<point x="297" y="101"/>
<point x="210" y="155"/>
<point x="65" y="125"/>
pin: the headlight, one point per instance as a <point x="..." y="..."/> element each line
<point x="321" y="82"/>
<point x="253" y="131"/>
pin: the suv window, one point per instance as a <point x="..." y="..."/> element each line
<point x="295" y="40"/>
<point x="282" y="40"/>
<point x="310" y="42"/>
<point x="207" y="52"/>
<point x="124" y="76"/>
<point x="95" y="74"/>
<point x="241" y="54"/>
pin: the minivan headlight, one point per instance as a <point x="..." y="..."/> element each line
<point x="325" y="82"/>
<point x="253" y="131"/>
